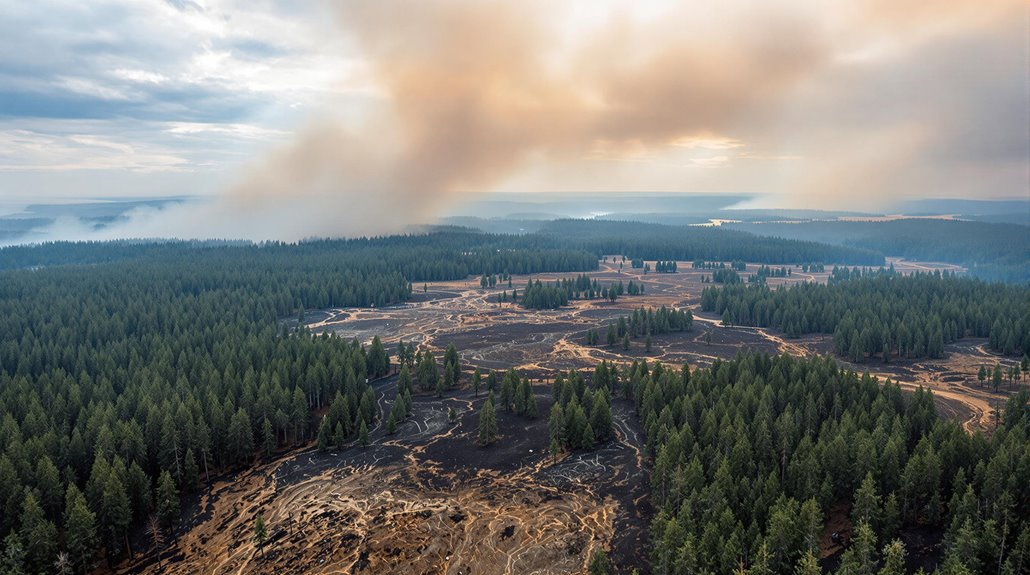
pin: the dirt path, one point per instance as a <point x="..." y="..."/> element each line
<point x="496" y="335"/>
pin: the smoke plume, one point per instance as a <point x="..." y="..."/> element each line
<point x="474" y="93"/>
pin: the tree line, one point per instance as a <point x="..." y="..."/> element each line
<point x="644" y="241"/>
<point x="644" y="322"/>
<point x="553" y="295"/>
<point x="883" y="314"/>
<point x="763" y="272"/>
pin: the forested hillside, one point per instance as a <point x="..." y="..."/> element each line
<point x="883" y="314"/>
<point x="992" y="251"/>
<point x="690" y="243"/>
<point x="753" y="455"/>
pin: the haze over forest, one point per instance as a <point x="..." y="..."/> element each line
<point x="497" y="287"/>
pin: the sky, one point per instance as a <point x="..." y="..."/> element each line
<point x="347" y="117"/>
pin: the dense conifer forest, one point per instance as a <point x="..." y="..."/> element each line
<point x="992" y="251"/>
<point x="127" y="383"/>
<point x="552" y="295"/>
<point x="449" y="252"/>
<point x="881" y="314"/>
<point x="753" y="455"/>
<point x="130" y="373"/>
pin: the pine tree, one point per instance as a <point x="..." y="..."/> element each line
<point x="488" y="422"/>
<point x="586" y="441"/>
<point x="452" y="360"/>
<point x="260" y="534"/>
<point x="190" y="471"/>
<point x="241" y="438"/>
<point x="601" y="418"/>
<point x="893" y="559"/>
<point x="427" y="372"/>
<point x="508" y="389"/>
<point x="810" y="521"/>
<point x="268" y="438"/>
<point x="890" y="520"/>
<point x="339" y="436"/>
<point x="363" y="434"/>
<point x="404" y="379"/>
<point x="378" y="361"/>
<point x="867" y="503"/>
<point x="599" y="563"/>
<point x="556" y="424"/>
<point x="115" y="512"/>
<point x="324" y="435"/>
<point x="808" y="565"/>
<point x="860" y="558"/>
<point x="39" y="535"/>
<point x="80" y="530"/>
<point x="166" y="498"/>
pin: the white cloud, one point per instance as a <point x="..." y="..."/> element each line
<point x="25" y="150"/>
<point x="140" y="76"/>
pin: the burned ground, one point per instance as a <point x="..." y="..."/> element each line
<point x="494" y="335"/>
<point x="427" y="499"/>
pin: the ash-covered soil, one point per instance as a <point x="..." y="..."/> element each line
<point x="427" y="499"/>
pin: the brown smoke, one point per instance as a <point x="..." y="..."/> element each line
<point x="474" y="88"/>
<point x="841" y="108"/>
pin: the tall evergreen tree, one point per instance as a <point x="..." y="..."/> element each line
<point x="488" y="431"/>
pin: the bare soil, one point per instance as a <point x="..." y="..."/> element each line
<point x="496" y="335"/>
<point x="429" y="500"/>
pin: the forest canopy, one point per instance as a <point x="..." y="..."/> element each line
<point x="884" y="314"/>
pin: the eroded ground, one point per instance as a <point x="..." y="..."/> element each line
<point x="428" y="500"/>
